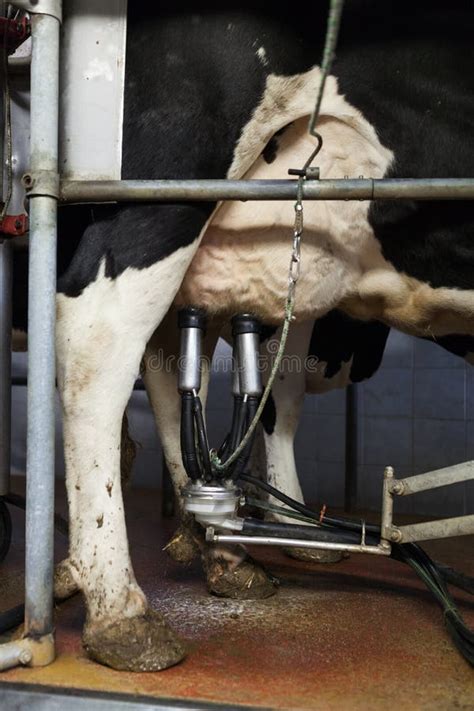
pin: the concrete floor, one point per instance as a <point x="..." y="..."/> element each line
<point x="359" y="635"/>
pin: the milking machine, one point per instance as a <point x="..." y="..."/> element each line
<point x="213" y="496"/>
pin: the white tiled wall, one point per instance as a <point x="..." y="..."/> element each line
<point x="416" y="413"/>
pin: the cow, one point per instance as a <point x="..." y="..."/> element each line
<point x="206" y="90"/>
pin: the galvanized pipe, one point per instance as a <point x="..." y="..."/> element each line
<point x="41" y="326"/>
<point x="299" y="543"/>
<point x="6" y="269"/>
<point x="433" y="480"/>
<point x="340" y="189"/>
<point x="443" y="528"/>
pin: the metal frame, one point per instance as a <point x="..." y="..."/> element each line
<point x="44" y="188"/>
<point x="36" y="648"/>
<point x="441" y="528"/>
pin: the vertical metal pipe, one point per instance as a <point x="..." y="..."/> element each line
<point x="41" y="327"/>
<point x="6" y="267"/>
<point x="351" y="458"/>
<point x="5" y="304"/>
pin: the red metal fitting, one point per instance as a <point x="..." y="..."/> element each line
<point x="14" y="225"/>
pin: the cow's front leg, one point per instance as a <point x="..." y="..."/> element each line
<point x="229" y="570"/>
<point x="64" y="584"/>
<point x="101" y="337"/>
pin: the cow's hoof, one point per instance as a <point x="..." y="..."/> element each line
<point x="313" y="555"/>
<point x="64" y="584"/>
<point x="184" y="546"/>
<point x="138" y="644"/>
<point x="247" y="581"/>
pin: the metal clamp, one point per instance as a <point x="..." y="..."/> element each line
<point x="41" y="7"/>
<point x="43" y="183"/>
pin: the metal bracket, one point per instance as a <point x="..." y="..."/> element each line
<point x="41" y="182"/>
<point x="41" y="7"/>
<point x="443" y="528"/>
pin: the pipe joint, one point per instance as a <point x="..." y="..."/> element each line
<point x="41" y="183"/>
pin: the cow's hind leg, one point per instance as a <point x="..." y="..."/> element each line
<point x="101" y="336"/>
<point x="280" y="421"/>
<point x="229" y="570"/>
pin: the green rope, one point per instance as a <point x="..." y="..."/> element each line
<point x="332" y="33"/>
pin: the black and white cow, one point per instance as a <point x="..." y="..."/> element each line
<point x="207" y="87"/>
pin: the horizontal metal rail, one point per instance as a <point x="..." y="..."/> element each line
<point x="443" y="528"/>
<point x="433" y="480"/>
<point x="77" y="191"/>
<point x="297" y="542"/>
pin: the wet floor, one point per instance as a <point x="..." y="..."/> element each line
<point x="362" y="634"/>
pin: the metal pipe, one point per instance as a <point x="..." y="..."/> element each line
<point x="444" y="528"/>
<point x="387" y="507"/>
<point x="41" y="327"/>
<point x="13" y="654"/>
<point x="433" y="480"/>
<point x="299" y="543"/>
<point x="340" y="189"/>
<point x="6" y="280"/>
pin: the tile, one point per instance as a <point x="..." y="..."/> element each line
<point x="437" y="443"/>
<point x="430" y="355"/>
<point x="439" y="393"/>
<point x="399" y="350"/>
<point x="330" y="433"/>
<point x="369" y="487"/>
<point x="332" y="403"/>
<point x="330" y="476"/>
<point x="388" y="393"/>
<point x="306" y="437"/>
<point x="470" y="392"/>
<point x="387" y="441"/>
<point x="308" y="478"/>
